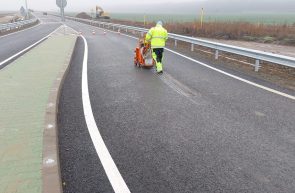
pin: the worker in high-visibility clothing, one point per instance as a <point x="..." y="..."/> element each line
<point x="157" y="37"/>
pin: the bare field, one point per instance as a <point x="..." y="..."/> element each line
<point x="280" y="34"/>
<point x="6" y="17"/>
<point x="278" y="18"/>
<point x="3" y="14"/>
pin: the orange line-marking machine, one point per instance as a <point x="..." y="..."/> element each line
<point x="143" y="54"/>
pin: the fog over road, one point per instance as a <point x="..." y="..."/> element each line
<point x="190" y="130"/>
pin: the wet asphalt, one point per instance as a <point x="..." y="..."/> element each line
<point x="189" y="130"/>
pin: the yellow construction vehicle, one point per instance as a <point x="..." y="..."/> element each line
<point x="100" y="14"/>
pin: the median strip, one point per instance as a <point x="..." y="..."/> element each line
<point x="29" y="96"/>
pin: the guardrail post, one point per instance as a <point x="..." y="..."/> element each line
<point x="113" y="28"/>
<point x="257" y="65"/>
<point x="216" y="54"/>
<point x="249" y="53"/>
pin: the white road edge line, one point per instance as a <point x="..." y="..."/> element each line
<point x="221" y="71"/>
<point x="114" y="176"/>
<point x="235" y="77"/>
<point x="27" y="48"/>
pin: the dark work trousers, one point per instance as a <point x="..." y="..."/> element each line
<point x="159" y="54"/>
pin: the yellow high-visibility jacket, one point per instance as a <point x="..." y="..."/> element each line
<point x="157" y="36"/>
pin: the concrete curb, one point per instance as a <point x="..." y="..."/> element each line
<point x="51" y="176"/>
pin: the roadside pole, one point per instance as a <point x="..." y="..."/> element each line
<point x="27" y="11"/>
<point x="62" y="10"/>
<point x="202" y="17"/>
<point x="62" y="4"/>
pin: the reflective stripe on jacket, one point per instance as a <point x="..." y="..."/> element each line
<point x="157" y="36"/>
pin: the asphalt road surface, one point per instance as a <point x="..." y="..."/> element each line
<point x="16" y="42"/>
<point x="191" y="129"/>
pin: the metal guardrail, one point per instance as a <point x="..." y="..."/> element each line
<point x="15" y="25"/>
<point x="255" y="54"/>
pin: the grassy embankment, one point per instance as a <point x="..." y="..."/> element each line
<point x="264" y="28"/>
<point x="267" y="28"/>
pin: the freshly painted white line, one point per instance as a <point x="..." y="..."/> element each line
<point x="221" y="71"/>
<point x="104" y="155"/>
<point x="21" y="30"/>
<point x="26" y="49"/>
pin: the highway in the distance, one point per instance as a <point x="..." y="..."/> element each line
<point x="13" y="43"/>
<point x="191" y="129"/>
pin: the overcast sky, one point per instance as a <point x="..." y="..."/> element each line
<point x="158" y="6"/>
<point x="77" y="5"/>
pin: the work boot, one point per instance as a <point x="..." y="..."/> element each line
<point x="159" y="67"/>
<point x="160" y="72"/>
